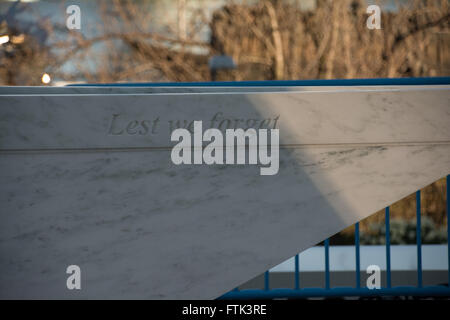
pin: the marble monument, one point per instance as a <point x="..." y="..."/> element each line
<point x="86" y="180"/>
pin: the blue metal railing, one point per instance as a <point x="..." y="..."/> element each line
<point x="297" y="272"/>
<point x="419" y="240"/>
<point x="327" y="263"/>
<point x="357" y="257"/>
<point x="327" y="291"/>
<point x="266" y="281"/>
<point x="448" y="226"/>
<point x="283" y="83"/>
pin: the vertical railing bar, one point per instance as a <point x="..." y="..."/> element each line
<point x="266" y="280"/>
<point x="388" y="247"/>
<point x="357" y="257"/>
<point x="297" y="272"/>
<point x="419" y="239"/>
<point x="448" y="226"/>
<point x="327" y="264"/>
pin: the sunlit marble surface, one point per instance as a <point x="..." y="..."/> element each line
<point x="74" y="192"/>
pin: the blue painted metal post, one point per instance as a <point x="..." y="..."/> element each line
<point x="448" y="226"/>
<point x="358" y="260"/>
<point x="327" y="263"/>
<point x="297" y="273"/>
<point x="419" y="240"/>
<point x="388" y="248"/>
<point x="266" y="281"/>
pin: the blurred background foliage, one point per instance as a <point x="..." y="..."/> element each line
<point x="173" y="40"/>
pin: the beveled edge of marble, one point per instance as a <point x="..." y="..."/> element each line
<point x="77" y="140"/>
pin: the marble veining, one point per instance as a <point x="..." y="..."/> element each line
<point x="141" y="227"/>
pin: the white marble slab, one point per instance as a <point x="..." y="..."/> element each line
<point x="310" y="117"/>
<point x="74" y="192"/>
